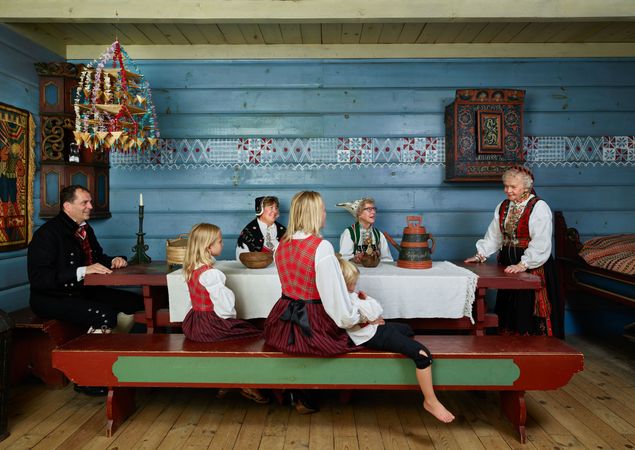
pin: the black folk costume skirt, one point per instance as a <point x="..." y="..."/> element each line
<point x="518" y="311"/>
<point x="206" y="326"/>
<point x="303" y="327"/>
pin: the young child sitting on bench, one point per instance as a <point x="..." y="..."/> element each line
<point x="394" y="337"/>
<point x="213" y="314"/>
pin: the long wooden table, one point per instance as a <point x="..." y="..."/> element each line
<point x="152" y="278"/>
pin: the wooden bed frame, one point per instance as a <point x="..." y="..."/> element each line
<point x="571" y="265"/>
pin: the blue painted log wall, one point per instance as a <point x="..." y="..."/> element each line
<point x="18" y="87"/>
<point x="211" y="99"/>
<point x="324" y="98"/>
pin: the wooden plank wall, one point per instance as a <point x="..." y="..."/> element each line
<point x="18" y="87"/>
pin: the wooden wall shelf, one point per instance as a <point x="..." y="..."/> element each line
<point x="58" y="82"/>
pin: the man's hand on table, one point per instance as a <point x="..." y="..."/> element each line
<point x="97" y="268"/>
<point x="118" y="263"/>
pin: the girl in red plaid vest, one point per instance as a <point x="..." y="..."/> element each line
<point x="213" y="314"/>
<point x="315" y="310"/>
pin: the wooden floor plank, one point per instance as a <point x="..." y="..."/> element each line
<point x="481" y="423"/>
<point x="562" y="413"/>
<point x="165" y="420"/>
<point x="57" y="419"/>
<point x="390" y="428"/>
<point x="203" y="433"/>
<point x="439" y="432"/>
<point x="25" y="416"/>
<point x="415" y="430"/>
<point x="621" y="419"/>
<point x="491" y="408"/>
<point x="538" y="438"/>
<point x="461" y="428"/>
<point x="344" y="428"/>
<point x="615" y="351"/>
<point x="344" y="417"/>
<point x="187" y="421"/>
<point x="321" y="428"/>
<point x="538" y="410"/>
<point x="275" y="428"/>
<point x="297" y="435"/>
<point x="86" y="435"/>
<point x="345" y="443"/>
<point x="484" y="427"/>
<point x="229" y="427"/>
<point x="150" y="404"/>
<point x="466" y="405"/>
<point x="253" y="426"/>
<point x="71" y="423"/>
<point x="590" y="419"/>
<point x="368" y="435"/>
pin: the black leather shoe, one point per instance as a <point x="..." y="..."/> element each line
<point x="303" y="402"/>
<point x="93" y="391"/>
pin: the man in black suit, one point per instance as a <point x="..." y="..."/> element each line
<point x="62" y="252"/>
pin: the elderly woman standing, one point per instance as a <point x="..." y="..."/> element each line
<point x="521" y="232"/>
<point x="356" y="239"/>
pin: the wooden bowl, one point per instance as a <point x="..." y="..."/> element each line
<point x="256" y="260"/>
<point x="370" y="260"/>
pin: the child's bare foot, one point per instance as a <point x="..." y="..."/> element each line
<point x="438" y="410"/>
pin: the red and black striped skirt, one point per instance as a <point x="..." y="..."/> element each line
<point x="206" y="326"/>
<point x="322" y="338"/>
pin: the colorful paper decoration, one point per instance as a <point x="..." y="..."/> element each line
<point x="113" y="105"/>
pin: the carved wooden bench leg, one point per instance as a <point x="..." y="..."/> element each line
<point x="119" y="406"/>
<point x="513" y="406"/>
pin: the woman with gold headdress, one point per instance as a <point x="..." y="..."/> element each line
<point x="362" y="237"/>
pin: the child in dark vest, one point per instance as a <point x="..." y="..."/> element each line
<point x="213" y="314"/>
<point x="394" y="337"/>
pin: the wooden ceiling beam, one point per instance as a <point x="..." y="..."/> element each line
<point x="300" y="11"/>
<point x="335" y="51"/>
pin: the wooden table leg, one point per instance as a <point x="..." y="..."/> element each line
<point x="119" y="406"/>
<point x="148" y="304"/>
<point x="480" y="311"/>
<point x="513" y="406"/>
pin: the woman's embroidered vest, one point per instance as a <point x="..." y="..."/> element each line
<point x="356" y="236"/>
<point x="514" y="224"/>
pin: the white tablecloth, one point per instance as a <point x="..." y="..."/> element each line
<point x="445" y="290"/>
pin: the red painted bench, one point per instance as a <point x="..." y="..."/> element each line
<point x="511" y="365"/>
<point x="33" y="340"/>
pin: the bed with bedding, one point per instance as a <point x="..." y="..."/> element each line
<point x="602" y="267"/>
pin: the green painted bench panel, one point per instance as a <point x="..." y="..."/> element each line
<point x="322" y="371"/>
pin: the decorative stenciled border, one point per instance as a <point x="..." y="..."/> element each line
<point x="310" y="153"/>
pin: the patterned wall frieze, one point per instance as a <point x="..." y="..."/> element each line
<point x="343" y="152"/>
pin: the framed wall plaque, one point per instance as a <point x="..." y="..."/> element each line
<point x="483" y="134"/>
<point x="489" y="129"/>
